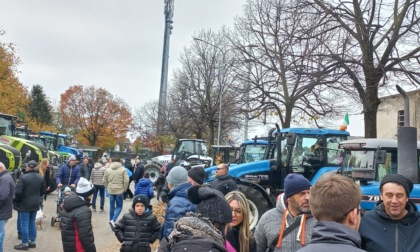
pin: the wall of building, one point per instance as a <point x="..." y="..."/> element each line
<point x="387" y="116"/>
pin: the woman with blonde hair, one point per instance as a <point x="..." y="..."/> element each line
<point x="44" y="171"/>
<point x="239" y="234"/>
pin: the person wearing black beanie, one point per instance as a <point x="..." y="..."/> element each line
<point x="138" y="228"/>
<point x="196" y="175"/>
<point x="204" y="229"/>
<point x="395" y="220"/>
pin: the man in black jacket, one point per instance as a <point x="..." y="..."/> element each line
<point x="223" y="181"/>
<point x="7" y="191"/>
<point x="76" y="220"/>
<point x="335" y="203"/>
<point x="394" y="224"/>
<point x="138" y="172"/>
<point x="29" y="192"/>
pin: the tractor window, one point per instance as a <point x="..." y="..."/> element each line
<point x="254" y="153"/>
<point x="334" y="155"/>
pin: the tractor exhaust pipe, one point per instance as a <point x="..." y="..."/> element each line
<point x="407" y="144"/>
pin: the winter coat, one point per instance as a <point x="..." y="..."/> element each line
<point x="333" y="236"/>
<point x="76" y="226"/>
<point x="380" y="233"/>
<point x="224" y="183"/>
<point x="7" y="192"/>
<point x="178" y="206"/>
<point x="128" y="165"/>
<point x="188" y="235"/>
<point x="160" y="181"/>
<point x="116" y="179"/>
<point x="142" y="230"/>
<point x="233" y="237"/>
<point x="68" y="175"/>
<point x="144" y="187"/>
<point x="84" y="171"/>
<point x="30" y="189"/>
<point x="268" y="229"/>
<point x="97" y="174"/>
<point x="138" y="172"/>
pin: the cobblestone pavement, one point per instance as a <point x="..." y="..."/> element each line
<point x="49" y="238"/>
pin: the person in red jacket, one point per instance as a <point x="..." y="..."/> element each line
<point x="76" y="220"/>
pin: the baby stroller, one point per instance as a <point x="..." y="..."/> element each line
<point x="61" y="196"/>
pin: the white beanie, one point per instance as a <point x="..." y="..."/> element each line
<point x="84" y="188"/>
<point x="177" y="175"/>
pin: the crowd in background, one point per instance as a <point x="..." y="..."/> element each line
<point x="325" y="216"/>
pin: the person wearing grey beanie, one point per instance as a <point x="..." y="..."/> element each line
<point x="178" y="204"/>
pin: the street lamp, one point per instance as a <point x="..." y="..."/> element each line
<point x="221" y="85"/>
<point x="249" y="60"/>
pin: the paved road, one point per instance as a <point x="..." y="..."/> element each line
<point x="49" y="238"/>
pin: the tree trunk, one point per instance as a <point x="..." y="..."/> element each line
<point x="371" y="103"/>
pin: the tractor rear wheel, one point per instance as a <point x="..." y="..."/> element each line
<point x="153" y="169"/>
<point x="257" y="204"/>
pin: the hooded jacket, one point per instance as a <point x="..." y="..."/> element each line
<point x="268" y="229"/>
<point x="116" y="179"/>
<point x="380" y="233"/>
<point x="333" y="236"/>
<point x="97" y="174"/>
<point x="68" y="175"/>
<point x="143" y="230"/>
<point x="76" y="226"/>
<point x="224" y="183"/>
<point x="178" y="206"/>
<point x="194" y="233"/>
<point x="144" y="187"/>
<point x="7" y="192"/>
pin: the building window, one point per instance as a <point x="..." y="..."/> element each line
<point x="400" y="118"/>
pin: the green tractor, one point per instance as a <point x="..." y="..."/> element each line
<point x="29" y="150"/>
<point x="9" y="156"/>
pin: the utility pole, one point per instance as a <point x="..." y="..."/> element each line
<point x="169" y="13"/>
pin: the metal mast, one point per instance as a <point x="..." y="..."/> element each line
<point x="169" y="13"/>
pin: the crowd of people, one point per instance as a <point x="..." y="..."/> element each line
<point x="325" y="216"/>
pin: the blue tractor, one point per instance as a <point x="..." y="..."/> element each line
<point x="311" y="152"/>
<point x="249" y="151"/>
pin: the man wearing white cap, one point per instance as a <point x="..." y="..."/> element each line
<point x="68" y="174"/>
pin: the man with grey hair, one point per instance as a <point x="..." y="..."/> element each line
<point x="7" y="190"/>
<point x="223" y="181"/>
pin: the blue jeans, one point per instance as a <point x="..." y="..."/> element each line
<point x="101" y="190"/>
<point x="27" y="226"/>
<point x="116" y="202"/>
<point x="18" y="225"/>
<point x="2" y="224"/>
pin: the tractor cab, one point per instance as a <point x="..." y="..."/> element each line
<point x="192" y="151"/>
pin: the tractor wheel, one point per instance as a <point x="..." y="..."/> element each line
<point x="153" y="169"/>
<point x="257" y="204"/>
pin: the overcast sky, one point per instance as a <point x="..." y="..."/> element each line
<point x="115" y="44"/>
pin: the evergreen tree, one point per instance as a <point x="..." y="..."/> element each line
<point x="39" y="105"/>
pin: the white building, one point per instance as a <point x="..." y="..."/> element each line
<point x="391" y="114"/>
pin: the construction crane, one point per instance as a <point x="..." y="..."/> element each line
<point x="169" y="13"/>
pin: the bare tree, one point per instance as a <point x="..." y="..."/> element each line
<point x="288" y="76"/>
<point x="204" y="80"/>
<point x="374" y="42"/>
